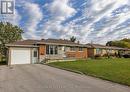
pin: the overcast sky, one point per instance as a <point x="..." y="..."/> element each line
<point x="89" y="20"/>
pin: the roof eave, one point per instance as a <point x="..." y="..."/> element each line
<point x="62" y="44"/>
<point x="31" y="46"/>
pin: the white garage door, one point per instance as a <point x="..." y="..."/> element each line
<point x="20" y="56"/>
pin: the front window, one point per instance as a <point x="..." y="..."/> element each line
<point x="73" y="48"/>
<point x="51" y="49"/>
<point x="98" y="51"/>
<point x="80" y="49"/>
<point x="35" y="54"/>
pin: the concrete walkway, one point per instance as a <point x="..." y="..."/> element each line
<point x="41" y="78"/>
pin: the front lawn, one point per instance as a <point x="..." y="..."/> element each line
<point x="116" y="70"/>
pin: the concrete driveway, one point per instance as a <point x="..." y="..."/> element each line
<point x="42" y="78"/>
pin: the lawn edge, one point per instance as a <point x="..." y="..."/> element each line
<point x="91" y="75"/>
<point x="75" y="71"/>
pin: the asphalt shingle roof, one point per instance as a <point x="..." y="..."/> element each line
<point x="104" y="47"/>
<point x="46" y="41"/>
<point x="32" y="43"/>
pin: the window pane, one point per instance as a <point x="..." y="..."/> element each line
<point x="56" y="50"/>
<point x="35" y="53"/>
<point x="47" y="49"/>
<point x="98" y="51"/>
<point x="80" y="49"/>
<point x="73" y="48"/>
<point x="51" y="49"/>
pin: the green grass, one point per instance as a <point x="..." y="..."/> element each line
<point x="116" y="70"/>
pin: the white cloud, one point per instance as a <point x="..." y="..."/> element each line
<point x="34" y="15"/>
<point x="17" y="17"/>
<point x="111" y="32"/>
<point x="83" y="26"/>
<point x="99" y="10"/>
<point x="60" y="10"/>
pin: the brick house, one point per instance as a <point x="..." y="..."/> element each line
<point x="35" y="51"/>
<point x="102" y="50"/>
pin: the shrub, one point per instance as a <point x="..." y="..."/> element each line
<point x="126" y="56"/>
<point x="97" y="56"/>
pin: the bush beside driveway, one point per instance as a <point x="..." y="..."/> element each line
<point x="116" y="70"/>
<point x="2" y="60"/>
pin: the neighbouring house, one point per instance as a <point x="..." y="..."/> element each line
<point x="35" y="51"/>
<point x="102" y="50"/>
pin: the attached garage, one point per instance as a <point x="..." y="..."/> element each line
<point x="23" y="52"/>
<point x="20" y="56"/>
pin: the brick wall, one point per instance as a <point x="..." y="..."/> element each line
<point x="42" y="50"/>
<point x="77" y="54"/>
<point x="69" y="54"/>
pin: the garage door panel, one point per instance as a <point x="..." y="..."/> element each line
<point x="20" y="56"/>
